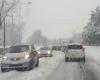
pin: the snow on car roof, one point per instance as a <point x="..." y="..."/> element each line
<point x="20" y="44"/>
<point x="74" y="44"/>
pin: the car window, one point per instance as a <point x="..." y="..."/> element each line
<point x="18" y="49"/>
<point x="45" y="48"/>
<point x="75" y="47"/>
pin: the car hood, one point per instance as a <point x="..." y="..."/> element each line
<point x="16" y="55"/>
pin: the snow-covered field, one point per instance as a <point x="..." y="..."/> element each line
<point x="46" y="67"/>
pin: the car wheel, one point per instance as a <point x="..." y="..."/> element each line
<point x="66" y="59"/>
<point x="37" y="64"/>
<point x="4" y="70"/>
<point x="31" y="65"/>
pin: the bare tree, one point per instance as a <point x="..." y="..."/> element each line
<point x="5" y="7"/>
<point x="38" y="38"/>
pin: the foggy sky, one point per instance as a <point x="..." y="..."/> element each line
<point x="58" y="18"/>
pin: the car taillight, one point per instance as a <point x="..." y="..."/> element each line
<point x="66" y="48"/>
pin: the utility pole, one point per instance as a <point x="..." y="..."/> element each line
<point x="12" y="27"/>
<point x="4" y="29"/>
<point x="4" y="33"/>
<point x="12" y="17"/>
<point x="19" y="21"/>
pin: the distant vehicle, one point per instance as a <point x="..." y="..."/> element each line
<point x="57" y="47"/>
<point x="45" y="52"/>
<point x="20" y="57"/>
<point x="75" y="52"/>
<point x="54" y="47"/>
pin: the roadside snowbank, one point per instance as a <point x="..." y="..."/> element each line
<point x="93" y="53"/>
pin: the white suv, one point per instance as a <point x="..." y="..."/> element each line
<point x="74" y="52"/>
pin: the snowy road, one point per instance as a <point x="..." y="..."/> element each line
<point x="79" y="71"/>
<point x="67" y="71"/>
<point x="55" y="68"/>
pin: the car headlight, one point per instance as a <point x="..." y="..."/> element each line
<point x="39" y="52"/>
<point x="4" y="58"/>
<point x="27" y="56"/>
<point x="48" y="52"/>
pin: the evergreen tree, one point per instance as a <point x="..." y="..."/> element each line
<point x="91" y="31"/>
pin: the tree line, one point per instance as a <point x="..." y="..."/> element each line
<point x="91" y="32"/>
<point x="38" y="39"/>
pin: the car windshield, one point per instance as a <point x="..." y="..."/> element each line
<point x="45" y="48"/>
<point x="75" y="47"/>
<point x="63" y="34"/>
<point x="18" y="49"/>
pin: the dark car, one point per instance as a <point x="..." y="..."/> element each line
<point x="57" y="47"/>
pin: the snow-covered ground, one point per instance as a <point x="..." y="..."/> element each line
<point x="55" y="66"/>
<point x="92" y="64"/>
<point x="93" y="53"/>
<point x="46" y="67"/>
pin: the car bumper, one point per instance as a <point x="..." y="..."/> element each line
<point x="75" y="59"/>
<point x="15" y="66"/>
<point x="74" y="56"/>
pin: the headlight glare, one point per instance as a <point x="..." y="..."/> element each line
<point x="48" y="52"/>
<point x="27" y="56"/>
<point x="39" y="52"/>
<point x="4" y="58"/>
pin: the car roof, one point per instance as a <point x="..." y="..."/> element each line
<point x="20" y="45"/>
<point x="75" y="44"/>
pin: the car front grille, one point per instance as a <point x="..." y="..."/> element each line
<point x="15" y="59"/>
<point x="15" y="65"/>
